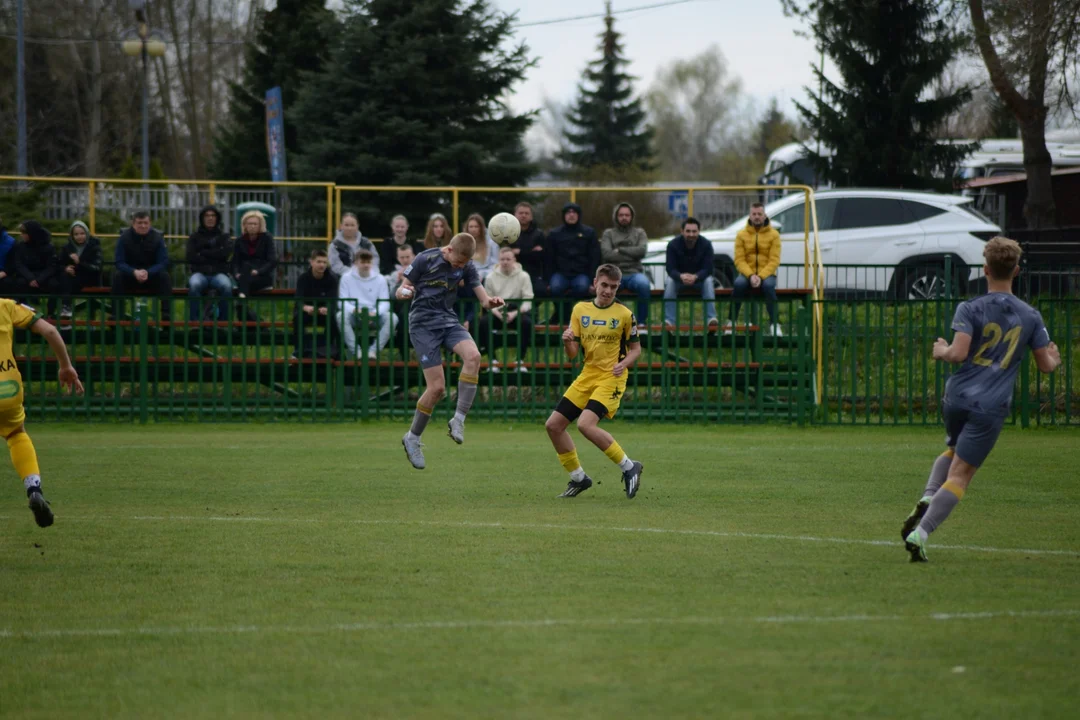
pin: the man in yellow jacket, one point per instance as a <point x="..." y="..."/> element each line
<point x="757" y="258"/>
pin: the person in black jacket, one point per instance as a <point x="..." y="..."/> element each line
<point x="316" y="290"/>
<point x="573" y="256"/>
<point x="81" y="260"/>
<point x="254" y="255"/>
<point x="33" y="262"/>
<point x="388" y="253"/>
<point x="689" y="264"/>
<point x="142" y="263"/>
<point x="530" y="249"/>
<point x="207" y="256"/>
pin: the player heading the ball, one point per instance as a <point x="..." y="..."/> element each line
<point x="607" y="332"/>
<point x="432" y="283"/>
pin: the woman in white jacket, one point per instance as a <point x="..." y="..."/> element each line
<point x="361" y="287"/>
<point x="515" y="287"/>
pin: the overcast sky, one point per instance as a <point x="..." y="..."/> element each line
<point x="759" y="43"/>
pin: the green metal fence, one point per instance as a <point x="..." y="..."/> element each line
<point x="269" y="361"/>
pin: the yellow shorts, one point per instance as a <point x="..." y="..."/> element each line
<point x="12" y="416"/>
<point x="600" y="386"/>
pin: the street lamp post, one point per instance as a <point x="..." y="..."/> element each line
<point x="20" y="91"/>
<point x="142" y="42"/>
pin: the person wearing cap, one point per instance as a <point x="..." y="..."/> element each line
<point x="362" y="288"/>
<point x="573" y="256"/>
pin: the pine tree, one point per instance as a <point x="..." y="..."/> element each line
<point x="413" y="94"/>
<point x="881" y="122"/>
<point x="290" y="43"/>
<point x="609" y="119"/>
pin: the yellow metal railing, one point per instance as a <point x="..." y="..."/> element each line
<point x="813" y="270"/>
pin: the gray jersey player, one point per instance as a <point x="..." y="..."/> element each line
<point x="432" y="282"/>
<point x="991" y="336"/>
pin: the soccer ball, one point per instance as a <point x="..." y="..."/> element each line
<point x="504" y="228"/>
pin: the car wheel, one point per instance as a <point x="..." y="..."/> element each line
<point x="924" y="282"/>
<point x="724" y="273"/>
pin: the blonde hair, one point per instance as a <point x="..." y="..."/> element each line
<point x="430" y="241"/>
<point x="463" y="244"/>
<point x="253" y="214"/>
<point x="481" y="252"/>
<point x="1002" y="255"/>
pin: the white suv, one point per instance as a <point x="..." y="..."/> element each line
<point x="907" y="234"/>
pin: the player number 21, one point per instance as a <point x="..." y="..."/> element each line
<point x="994" y="335"/>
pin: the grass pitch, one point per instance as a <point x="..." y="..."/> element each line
<point x="208" y="571"/>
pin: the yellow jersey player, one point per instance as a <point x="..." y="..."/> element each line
<point x="607" y="332"/>
<point x="23" y="457"/>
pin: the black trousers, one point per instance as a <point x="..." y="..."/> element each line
<point x="157" y="285"/>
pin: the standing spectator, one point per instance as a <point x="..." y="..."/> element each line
<point x="690" y="264"/>
<point x="81" y="259"/>
<point x="254" y="255"/>
<point x="437" y="233"/>
<point x="142" y="263"/>
<point x="510" y="282"/>
<point x="757" y="258"/>
<point x="34" y="263"/>
<point x="531" y="249"/>
<point x="208" y="250"/>
<point x="388" y="258"/>
<point x="316" y="291"/>
<point x="573" y="256"/>
<point x="6" y="244"/>
<point x="362" y="288"/>
<point x="624" y="246"/>
<point x="346" y="243"/>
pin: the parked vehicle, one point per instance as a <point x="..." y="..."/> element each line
<point x="889" y="242"/>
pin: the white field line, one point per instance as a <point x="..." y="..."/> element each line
<point x="567" y="528"/>
<point x="526" y="624"/>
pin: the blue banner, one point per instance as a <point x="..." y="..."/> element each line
<point x="275" y="134"/>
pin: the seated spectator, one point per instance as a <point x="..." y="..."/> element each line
<point x="207" y="256"/>
<point x="254" y="255"/>
<point x="81" y="259"/>
<point x="363" y="288"/>
<point x="486" y="256"/>
<point x="510" y="282"/>
<point x="624" y="246"/>
<point x="573" y="256"/>
<point x="388" y="258"/>
<point x="316" y="291"/>
<point x="6" y="244"/>
<point x="757" y="258"/>
<point x="437" y="233"/>
<point x="689" y="265"/>
<point x="345" y="244"/>
<point x="142" y="264"/>
<point x="405" y="257"/>
<point x="34" y="263"/>
<point x="531" y="249"/>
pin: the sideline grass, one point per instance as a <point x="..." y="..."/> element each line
<point x="204" y="571"/>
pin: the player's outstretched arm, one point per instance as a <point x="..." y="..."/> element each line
<point x="1047" y="358"/>
<point x="487" y="301"/>
<point x="956" y="352"/>
<point x="68" y="377"/>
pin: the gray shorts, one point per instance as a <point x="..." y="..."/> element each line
<point x="971" y="434"/>
<point x="429" y="342"/>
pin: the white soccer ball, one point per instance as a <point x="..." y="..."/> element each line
<point x="504" y="228"/>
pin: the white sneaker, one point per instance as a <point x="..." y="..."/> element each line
<point x="413" y="451"/>
<point x="373" y="354"/>
<point x="729" y="327"/>
<point x="642" y="330"/>
<point x="712" y="324"/>
<point x="775" y="330"/>
<point x="494" y="366"/>
<point x="456" y="430"/>
<point x="65" y="312"/>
